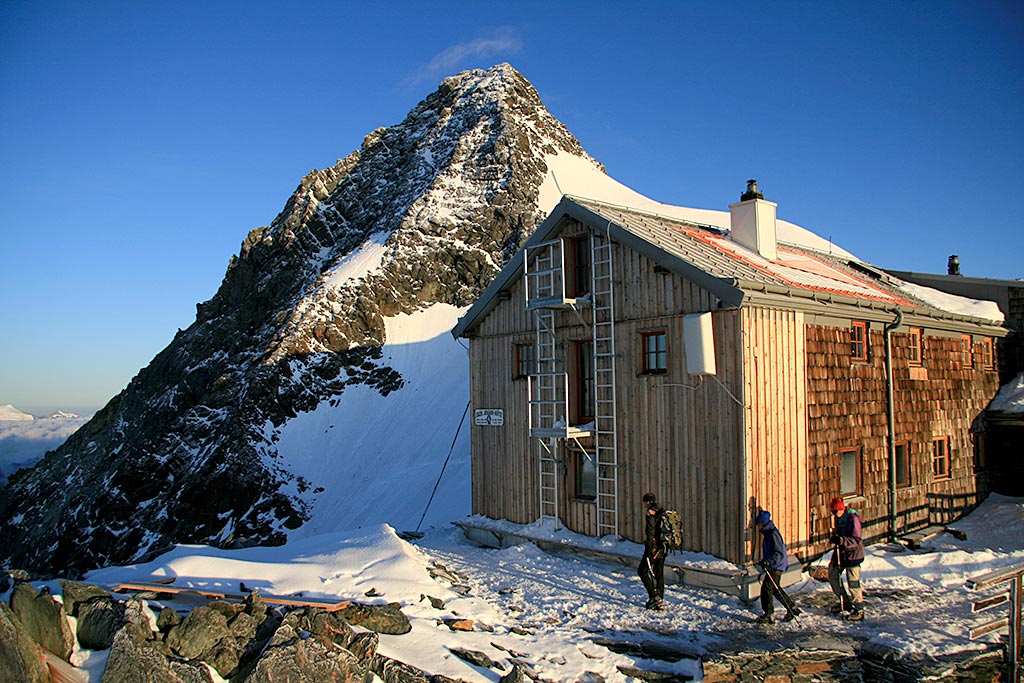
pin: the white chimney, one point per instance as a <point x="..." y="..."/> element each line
<point x="753" y="222"/>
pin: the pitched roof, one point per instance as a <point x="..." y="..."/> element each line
<point x="705" y="255"/>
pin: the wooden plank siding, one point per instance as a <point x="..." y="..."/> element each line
<point x="666" y="442"/>
<point x="847" y="409"/>
<point x="776" y="425"/>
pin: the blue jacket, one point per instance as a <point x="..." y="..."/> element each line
<point x="773" y="548"/>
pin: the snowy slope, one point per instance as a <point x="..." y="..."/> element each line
<point x="377" y="458"/>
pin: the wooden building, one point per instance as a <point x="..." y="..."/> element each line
<point x="727" y="362"/>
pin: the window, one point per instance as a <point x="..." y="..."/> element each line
<point x="940" y="458"/>
<point x="916" y="355"/>
<point x="849" y="471"/>
<point x="966" y="351"/>
<point x="584" y="485"/>
<point x="584" y="382"/>
<point x="654" y="353"/>
<point x="577" y="282"/>
<point x="902" y="465"/>
<point x="522" y="361"/>
<point x="858" y="340"/>
<point x="988" y="356"/>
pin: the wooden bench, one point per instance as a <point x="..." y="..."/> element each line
<point x="915" y="539"/>
<point x="293" y="600"/>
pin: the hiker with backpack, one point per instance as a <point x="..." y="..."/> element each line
<point x="774" y="562"/>
<point x="847" y="555"/>
<point x="652" y="563"/>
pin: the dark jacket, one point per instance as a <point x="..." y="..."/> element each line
<point x="847" y="539"/>
<point x="655" y="532"/>
<point x="773" y="548"/>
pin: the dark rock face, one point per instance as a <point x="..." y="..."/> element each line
<point x="186" y="453"/>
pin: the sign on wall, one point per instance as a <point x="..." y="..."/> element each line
<point x="490" y="417"/>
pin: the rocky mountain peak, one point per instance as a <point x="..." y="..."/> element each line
<point x="426" y="212"/>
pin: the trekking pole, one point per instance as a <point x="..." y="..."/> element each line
<point x="786" y="600"/>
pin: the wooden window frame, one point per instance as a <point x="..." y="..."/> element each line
<point x="519" y="359"/>
<point x="906" y="482"/>
<point x="577" y="278"/>
<point x="915" y="347"/>
<point x="582" y="381"/>
<point x="578" y="459"/>
<point x="966" y="351"/>
<point x="942" y="459"/>
<point x="856" y="452"/>
<point x="988" y="354"/>
<point x="646" y="353"/>
<point x="859" y="346"/>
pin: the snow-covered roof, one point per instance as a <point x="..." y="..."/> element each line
<point x="695" y="244"/>
<point x="1010" y="398"/>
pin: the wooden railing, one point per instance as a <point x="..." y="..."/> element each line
<point x="1015" y="577"/>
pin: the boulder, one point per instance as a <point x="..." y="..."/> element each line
<point x="291" y="658"/>
<point x="364" y="645"/>
<point x="98" y="622"/>
<point x="43" y="619"/>
<point x="75" y="593"/>
<point x="20" y="658"/>
<point x="198" y="633"/>
<point x="386" y="619"/>
<point x="167" y="619"/>
<point x="134" y="662"/>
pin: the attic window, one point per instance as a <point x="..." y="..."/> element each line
<point x="859" y="341"/>
<point x="988" y="356"/>
<point x="915" y="353"/>
<point x="966" y="351"/>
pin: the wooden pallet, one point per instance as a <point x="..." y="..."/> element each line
<point x="292" y="600"/>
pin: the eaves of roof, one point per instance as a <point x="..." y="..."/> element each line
<point x="723" y="288"/>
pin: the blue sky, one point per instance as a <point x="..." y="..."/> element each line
<point x="140" y="142"/>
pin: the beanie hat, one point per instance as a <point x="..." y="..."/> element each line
<point x="763" y="517"/>
<point x="649" y="498"/>
<point x="837" y="504"/>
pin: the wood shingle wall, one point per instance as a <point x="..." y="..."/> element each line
<point x="846" y="402"/>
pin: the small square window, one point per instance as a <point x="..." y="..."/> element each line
<point x="902" y="465"/>
<point x="916" y="350"/>
<point x="858" y="341"/>
<point x="523" y="361"/>
<point x="966" y="351"/>
<point x="849" y="471"/>
<point x="940" y="458"/>
<point x="654" y="358"/>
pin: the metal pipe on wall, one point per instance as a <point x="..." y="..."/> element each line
<point x="890" y="415"/>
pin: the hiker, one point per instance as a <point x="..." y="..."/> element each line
<point x="774" y="562"/>
<point x="847" y="555"/>
<point x="652" y="564"/>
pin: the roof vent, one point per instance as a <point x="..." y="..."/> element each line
<point x="753" y="222"/>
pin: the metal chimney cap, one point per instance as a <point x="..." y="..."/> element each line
<point x="752" y="191"/>
<point x="953" y="265"/>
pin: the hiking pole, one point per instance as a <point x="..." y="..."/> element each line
<point x="786" y="600"/>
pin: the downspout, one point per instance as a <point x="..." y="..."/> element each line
<point x="891" y="420"/>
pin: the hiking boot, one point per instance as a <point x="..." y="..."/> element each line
<point x="855" y="615"/>
<point x="791" y="615"/>
<point x="657" y="605"/>
<point x="765" y="619"/>
<point x="843" y="606"/>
